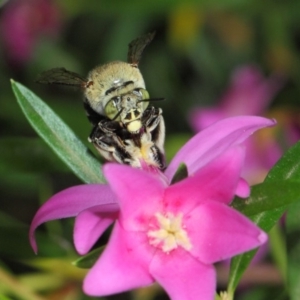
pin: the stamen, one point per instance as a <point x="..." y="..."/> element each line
<point x="170" y="233"/>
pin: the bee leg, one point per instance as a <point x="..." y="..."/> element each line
<point x="109" y="145"/>
<point x="113" y="128"/>
<point x="149" y="152"/>
<point x="158" y="157"/>
<point x="109" y="151"/>
<point x="148" y="116"/>
<point x="151" y="118"/>
<point x="154" y="124"/>
<point x="107" y="126"/>
<point x="158" y="134"/>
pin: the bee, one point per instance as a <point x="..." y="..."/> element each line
<point x="125" y="128"/>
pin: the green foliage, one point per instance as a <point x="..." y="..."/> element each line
<point x="88" y="260"/>
<point x="267" y="203"/>
<point x="293" y="250"/>
<point x="190" y="64"/>
<point x="181" y="173"/>
<point x="58" y="136"/>
<point x="28" y="155"/>
<point x="18" y="248"/>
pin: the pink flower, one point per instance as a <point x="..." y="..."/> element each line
<point x="249" y="93"/>
<point x="23" y="22"/>
<point x="171" y="234"/>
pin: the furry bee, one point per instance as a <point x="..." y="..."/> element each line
<point x="125" y="128"/>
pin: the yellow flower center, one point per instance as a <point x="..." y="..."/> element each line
<point x="170" y="233"/>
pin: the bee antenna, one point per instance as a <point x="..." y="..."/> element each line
<point x="151" y="99"/>
<point x="117" y="115"/>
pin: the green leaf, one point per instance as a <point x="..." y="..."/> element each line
<point x="58" y="136"/>
<point x="287" y="168"/>
<point x="87" y="261"/>
<point x="293" y="247"/>
<point x="181" y="173"/>
<point x="268" y="196"/>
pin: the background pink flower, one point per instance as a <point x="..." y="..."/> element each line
<point x="249" y="93"/>
<point x="23" y="22"/>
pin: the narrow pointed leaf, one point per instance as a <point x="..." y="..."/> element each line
<point x="286" y="169"/>
<point x="268" y="196"/>
<point x="87" y="261"/>
<point x="181" y="173"/>
<point x="58" y="136"/>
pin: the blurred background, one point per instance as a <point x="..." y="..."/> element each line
<point x="209" y="59"/>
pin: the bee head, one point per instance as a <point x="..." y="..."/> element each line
<point x="108" y="82"/>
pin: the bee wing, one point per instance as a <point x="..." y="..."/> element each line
<point x="61" y="76"/>
<point x="137" y="46"/>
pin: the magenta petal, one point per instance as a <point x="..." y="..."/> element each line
<point x="243" y="189"/>
<point x="70" y="202"/>
<point x="122" y="266"/>
<point x="203" y="117"/>
<point x="91" y="223"/>
<point x="214" y="140"/>
<point x="139" y="194"/>
<point x="249" y="92"/>
<point x="217" y="181"/>
<point x="183" y="277"/>
<point x="218" y="232"/>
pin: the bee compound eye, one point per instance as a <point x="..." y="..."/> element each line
<point x="145" y="96"/>
<point x="111" y="109"/>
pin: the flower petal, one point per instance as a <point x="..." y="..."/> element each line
<point x="203" y="117"/>
<point x="70" y="202"/>
<point x="182" y="276"/>
<point x="139" y="194"/>
<point x="243" y="188"/>
<point x="218" y="232"/>
<point x="214" y="140"/>
<point x="91" y="223"/>
<point x="217" y="181"/>
<point x="122" y="266"/>
<point x="249" y="92"/>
